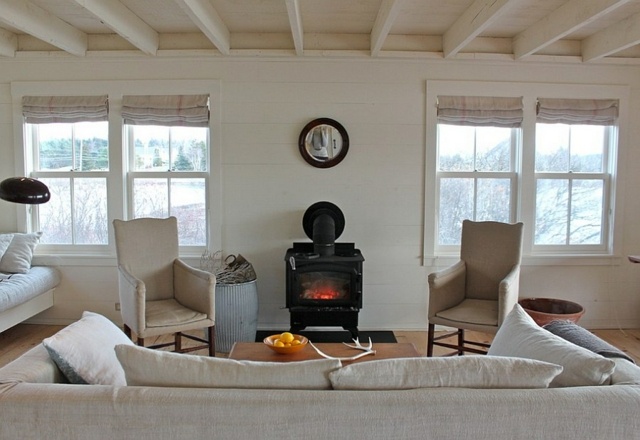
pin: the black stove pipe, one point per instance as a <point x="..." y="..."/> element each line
<point x="324" y="235"/>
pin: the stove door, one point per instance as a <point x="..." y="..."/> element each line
<point x="324" y="285"/>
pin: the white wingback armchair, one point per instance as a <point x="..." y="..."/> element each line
<point x="159" y="293"/>
<point x="480" y="290"/>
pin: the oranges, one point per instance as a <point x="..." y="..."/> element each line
<point x="286" y="339"/>
<point x="286" y="343"/>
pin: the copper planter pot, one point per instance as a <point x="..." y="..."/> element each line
<point x="545" y="310"/>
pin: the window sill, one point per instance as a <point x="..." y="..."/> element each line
<point x="541" y="260"/>
<point x="92" y="260"/>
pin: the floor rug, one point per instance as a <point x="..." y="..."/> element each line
<point x="335" y="336"/>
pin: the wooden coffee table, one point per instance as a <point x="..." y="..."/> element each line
<point x="257" y="351"/>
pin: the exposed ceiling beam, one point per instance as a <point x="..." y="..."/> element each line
<point x="615" y="38"/>
<point x="471" y="23"/>
<point x="386" y="16"/>
<point x="295" y="21"/>
<point x="561" y="22"/>
<point x="8" y="43"/>
<point x="34" y="20"/>
<point x="203" y="14"/>
<point x="124" y="22"/>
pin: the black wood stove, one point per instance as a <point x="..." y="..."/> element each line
<point x="324" y="278"/>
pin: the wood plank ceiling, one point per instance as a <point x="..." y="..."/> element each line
<point x="580" y="31"/>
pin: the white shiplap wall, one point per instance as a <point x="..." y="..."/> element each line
<point x="266" y="185"/>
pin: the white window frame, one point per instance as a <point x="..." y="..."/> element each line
<point x="606" y="178"/>
<point x="511" y="175"/>
<point x="525" y="209"/>
<point x="118" y="160"/>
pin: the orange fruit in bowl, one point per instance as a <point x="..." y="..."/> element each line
<point x="278" y="344"/>
<point x="286" y="337"/>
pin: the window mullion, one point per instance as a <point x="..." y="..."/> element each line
<point x="569" y="204"/>
<point x="169" y="207"/>
<point x="72" y="204"/>
<point x="475" y="197"/>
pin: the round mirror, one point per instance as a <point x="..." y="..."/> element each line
<point x="323" y="143"/>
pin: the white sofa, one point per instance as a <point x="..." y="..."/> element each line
<point x="188" y="401"/>
<point x="25" y="290"/>
<point x="36" y="403"/>
<point x="23" y="295"/>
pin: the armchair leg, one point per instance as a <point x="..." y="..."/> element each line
<point x="460" y="342"/>
<point x="212" y="340"/>
<point x="178" y="342"/>
<point x="127" y="331"/>
<point x="430" y="334"/>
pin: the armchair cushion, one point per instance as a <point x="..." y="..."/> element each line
<point x="168" y="312"/>
<point x="473" y="311"/>
<point x="520" y="336"/>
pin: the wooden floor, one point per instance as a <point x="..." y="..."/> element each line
<point x="19" y="339"/>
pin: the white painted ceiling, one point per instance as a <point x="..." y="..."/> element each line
<point x="581" y="31"/>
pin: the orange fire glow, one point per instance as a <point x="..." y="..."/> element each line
<point x="322" y="294"/>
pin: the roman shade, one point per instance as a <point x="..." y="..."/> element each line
<point x="577" y="111"/>
<point x="65" y="109"/>
<point x="166" y="110"/>
<point x="480" y="111"/>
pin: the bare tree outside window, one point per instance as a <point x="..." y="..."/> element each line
<point x="72" y="159"/>
<point x="570" y="184"/>
<point x="475" y="177"/>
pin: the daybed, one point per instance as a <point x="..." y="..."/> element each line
<point x="25" y="290"/>
<point x="37" y="402"/>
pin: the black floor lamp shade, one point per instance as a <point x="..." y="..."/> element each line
<point x="24" y="190"/>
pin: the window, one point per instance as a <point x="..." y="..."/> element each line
<point x="167" y="139"/>
<point x="553" y="166"/>
<point x="70" y="142"/>
<point x="573" y="139"/>
<point x="476" y="150"/>
<point x="118" y="149"/>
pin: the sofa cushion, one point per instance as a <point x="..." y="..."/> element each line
<point x="520" y="336"/>
<point x="145" y="367"/>
<point x="19" y="252"/>
<point x="84" y="351"/>
<point x="626" y="373"/>
<point x="455" y="372"/>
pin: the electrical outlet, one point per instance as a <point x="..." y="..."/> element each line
<point x="117" y="307"/>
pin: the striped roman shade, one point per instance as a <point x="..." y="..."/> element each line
<point x="480" y="111"/>
<point x="577" y="111"/>
<point x="65" y="109"/>
<point x="166" y="110"/>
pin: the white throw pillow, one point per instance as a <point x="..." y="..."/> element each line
<point x="520" y="336"/>
<point x="145" y="367"/>
<point x="84" y="351"/>
<point x="455" y="372"/>
<point x="17" y="257"/>
<point x="5" y="240"/>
